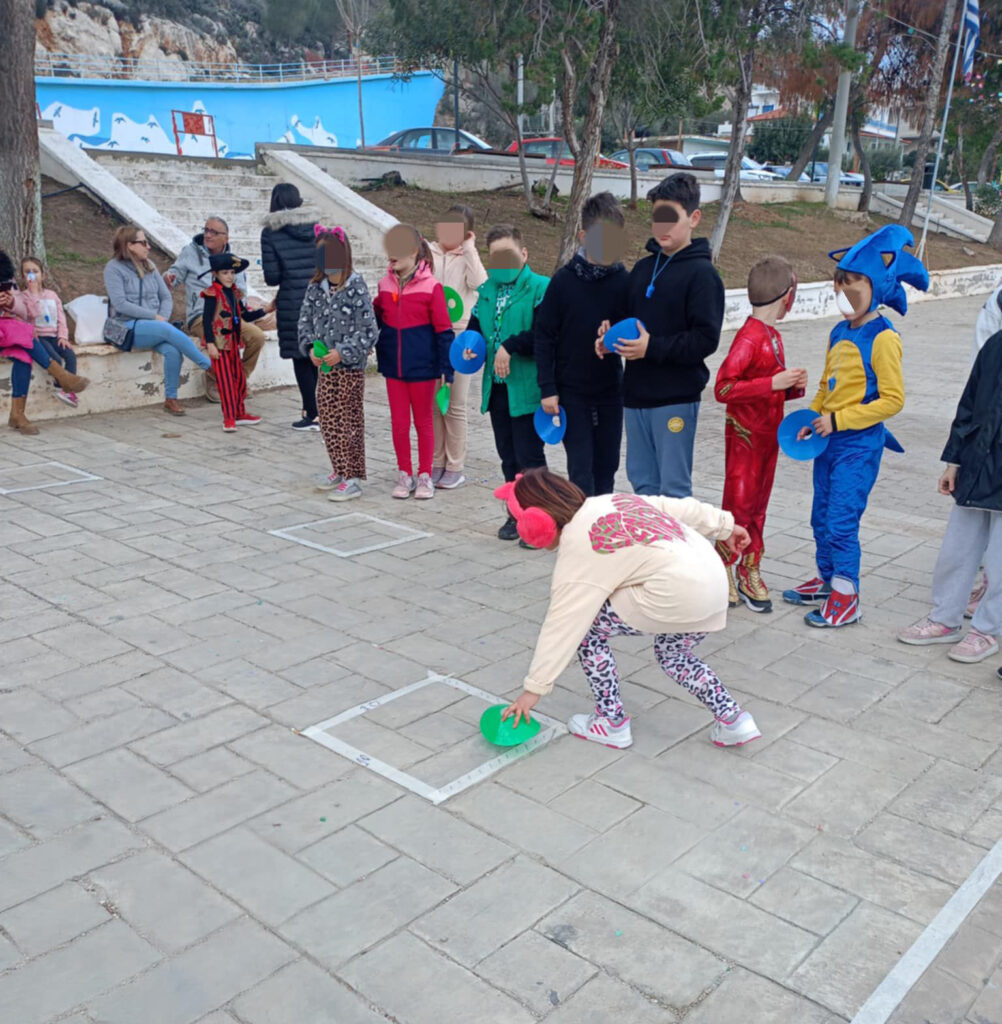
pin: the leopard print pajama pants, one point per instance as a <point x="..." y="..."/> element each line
<point x="674" y="653"/>
<point x="341" y="412"/>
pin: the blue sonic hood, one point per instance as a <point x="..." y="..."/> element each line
<point x="881" y="258"/>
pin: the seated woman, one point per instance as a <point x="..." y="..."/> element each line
<point x="18" y="343"/>
<point x="140" y="302"/>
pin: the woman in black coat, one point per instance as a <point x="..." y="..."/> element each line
<point x="288" y="259"/>
<point x="973" y="476"/>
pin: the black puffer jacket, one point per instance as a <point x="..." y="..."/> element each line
<point x="975" y="442"/>
<point x="288" y="260"/>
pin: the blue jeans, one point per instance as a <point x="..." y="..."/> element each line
<point x="659" y="445"/>
<point x="20" y="373"/>
<point x="172" y="344"/>
<point x="64" y="356"/>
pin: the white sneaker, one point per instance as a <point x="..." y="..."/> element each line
<point x="326" y="481"/>
<point x="742" y="730"/>
<point x="346" y="490"/>
<point x="599" y="729"/>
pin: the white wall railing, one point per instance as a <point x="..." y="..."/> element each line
<point x="79" y="65"/>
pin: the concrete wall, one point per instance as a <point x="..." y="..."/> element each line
<point x="480" y="173"/>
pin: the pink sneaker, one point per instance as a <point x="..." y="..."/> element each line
<point x="425" y="488"/>
<point x="925" y="631"/>
<point x="976" y="594"/>
<point x="973" y="648"/>
<point x="405" y="485"/>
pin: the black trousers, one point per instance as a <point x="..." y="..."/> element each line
<point x="306" y="378"/>
<point x="518" y="444"/>
<point x="592" y="442"/>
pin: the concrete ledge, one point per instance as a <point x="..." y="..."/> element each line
<point x="129" y="380"/>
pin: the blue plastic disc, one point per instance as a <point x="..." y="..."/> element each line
<point x="551" y="429"/>
<point x="625" y="330"/>
<point x="476" y="343"/>
<point x="810" y="447"/>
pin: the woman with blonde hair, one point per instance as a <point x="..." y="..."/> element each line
<point x="139" y="307"/>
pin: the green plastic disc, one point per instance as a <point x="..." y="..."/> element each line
<point x="504" y="734"/>
<point x="320" y="350"/>
<point x="453" y="303"/>
<point x="442" y="399"/>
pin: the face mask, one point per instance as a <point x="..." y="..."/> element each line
<point x="31" y="275"/>
<point x="844" y="305"/>
<point x="503" y="275"/>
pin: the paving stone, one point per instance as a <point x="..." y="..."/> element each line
<point x="185" y="988"/>
<point x="104" y="734"/>
<point x="199" y="735"/>
<point x="102" y="703"/>
<point x="657" y="962"/>
<point x="538" y="973"/>
<point x="558" y="766"/>
<point x="416" y="985"/>
<point x="13" y="755"/>
<point x="250" y="684"/>
<point x="483" y="917"/>
<point x="948" y="797"/>
<point x="971" y="955"/>
<point x="36" y="869"/>
<point x="632" y="852"/>
<point x="803" y="901"/>
<point x="213" y="812"/>
<point x="130" y="786"/>
<point x="668" y="789"/>
<point x="936" y="998"/>
<point x="987" y="1008"/>
<point x="347" y="856"/>
<point x="926" y="696"/>
<point x="594" y="805"/>
<point x="376" y="907"/>
<point x="177" y="693"/>
<point x="291" y="757"/>
<point x="437" y="839"/>
<point x="936" y="740"/>
<point x="792" y="758"/>
<point x="531" y="826"/>
<point x="978" y="716"/>
<point x="163" y="900"/>
<point x="206" y="771"/>
<point x="988" y="912"/>
<point x="53" y="918"/>
<point x="44" y="803"/>
<point x="305" y="820"/>
<point x="53" y="984"/>
<point x="603" y="999"/>
<point x="268" y="883"/>
<point x="849" y="964"/>
<point x="28" y="716"/>
<point x="722" y="923"/>
<point x="743" y="997"/>
<point x="303" y="994"/>
<point x="844" y="799"/>
<point x="925" y="849"/>
<point x="12" y="838"/>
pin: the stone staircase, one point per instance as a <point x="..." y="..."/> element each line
<point x="188" y="190"/>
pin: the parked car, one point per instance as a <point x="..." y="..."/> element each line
<point x="647" y="158"/>
<point x="432" y="140"/>
<point x="551" y="147"/>
<point x="716" y="162"/>
<point x="782" y="171"/>
<point x="820" y="175"/>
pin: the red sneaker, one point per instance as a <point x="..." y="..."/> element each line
<point x="838" y="610"/>
<point x="247" y="420"/>
<point x="229" y="426"/>
<point x="812" y="592"/>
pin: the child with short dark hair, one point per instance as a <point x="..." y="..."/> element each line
<point x="755" y="384"/>
<point x="589" y="289"/>
<point x="457" y="266"/>
<point x="505" y="315"/>
<point x="679" y="298"/>
<point x="222" y="313"/>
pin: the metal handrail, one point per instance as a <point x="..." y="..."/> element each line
<point x="79" y="65"/>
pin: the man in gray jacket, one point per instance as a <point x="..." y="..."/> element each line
<point x="191" y="269"/>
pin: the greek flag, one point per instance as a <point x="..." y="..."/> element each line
<point x="971" y="38"/>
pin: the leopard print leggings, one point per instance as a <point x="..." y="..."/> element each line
<point x="674" y="653"/>
<point x="340" y="410"/>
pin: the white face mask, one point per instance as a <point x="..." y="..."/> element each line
<point x="844" y="305"/>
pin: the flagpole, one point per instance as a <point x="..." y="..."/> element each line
<point x="942" y="137"/>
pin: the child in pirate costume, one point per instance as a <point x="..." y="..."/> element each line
<point x="754" y="382"/>
<point x="222" y="313"/>
<point x="862" y="386"/>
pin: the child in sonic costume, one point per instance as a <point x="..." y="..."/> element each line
<point x="862" y="386"/>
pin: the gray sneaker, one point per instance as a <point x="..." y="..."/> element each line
<point x="345" y="491"/>
<point x="436" y="474"/>
<point x="326" y="481"/>
<point x="449" y="480"/>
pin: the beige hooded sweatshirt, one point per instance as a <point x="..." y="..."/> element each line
<point x="647" y="555"/>
<point x="463" y="270"/>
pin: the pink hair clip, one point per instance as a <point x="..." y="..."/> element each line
<point x="337" y="231"/>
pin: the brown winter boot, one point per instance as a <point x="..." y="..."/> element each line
<point x="18" y="420"/>
<point x="71" y="382"/>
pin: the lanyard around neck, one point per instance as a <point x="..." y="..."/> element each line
<point x="658" y="271"/>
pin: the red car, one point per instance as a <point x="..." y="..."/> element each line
<point x="552" y="147"/>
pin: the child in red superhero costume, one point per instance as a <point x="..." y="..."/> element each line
<point x="755" y="384"/>
<point x="221" y="316"/>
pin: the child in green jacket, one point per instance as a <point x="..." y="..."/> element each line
<point x="504" y="315"/>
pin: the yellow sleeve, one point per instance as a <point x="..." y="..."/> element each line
<point x="886" y="361"/>
<point x="818" y="400"/>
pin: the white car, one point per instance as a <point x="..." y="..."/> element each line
<point x="716" y="162"/>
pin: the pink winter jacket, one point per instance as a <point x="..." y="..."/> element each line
<point x="50" y="320"/>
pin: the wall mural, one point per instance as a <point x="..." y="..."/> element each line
<point x="135" y="116"/>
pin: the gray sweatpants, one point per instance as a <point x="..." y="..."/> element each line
<point x="973" y="538"/>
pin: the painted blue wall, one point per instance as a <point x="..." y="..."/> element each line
<point x="132" y="115"/>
